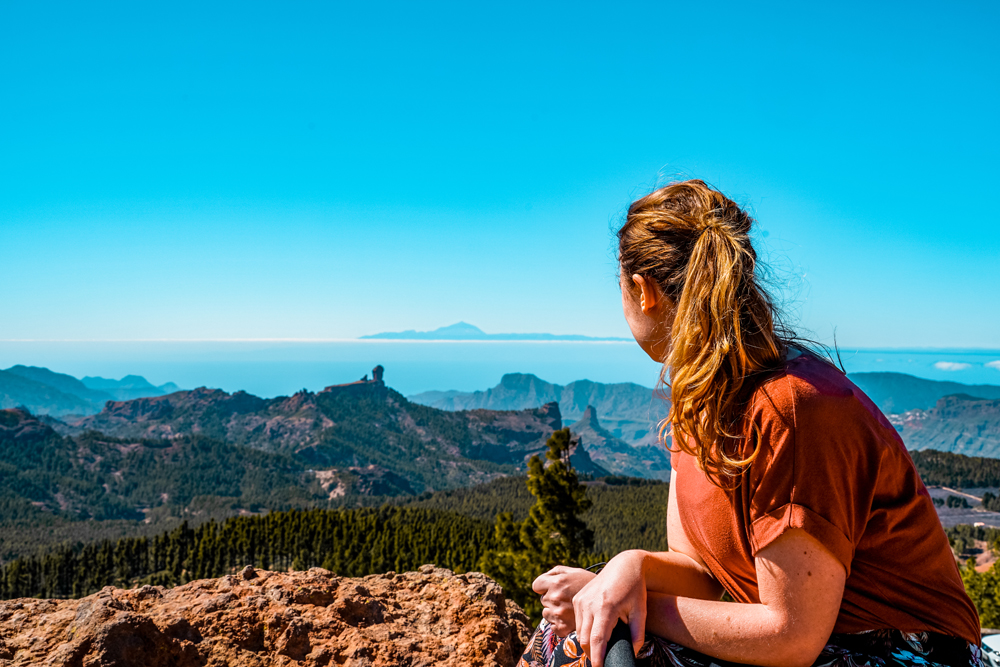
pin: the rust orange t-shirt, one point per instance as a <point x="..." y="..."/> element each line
<point x="831" y="464"/>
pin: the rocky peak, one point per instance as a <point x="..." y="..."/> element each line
<point x="264" y="619"/>
<point x="581" y="461"/>
<point x="589" y="428"/>
<point x="589" y="418"/>
<point x="617" y="456"/>
<point x="550" y="413"/>
<point x="139" y="410"/>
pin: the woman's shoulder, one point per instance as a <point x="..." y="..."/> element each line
<point x="810" y="388"/>
<point x="811" y="417"/>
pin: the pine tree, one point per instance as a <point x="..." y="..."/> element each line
<point x="552" y="534"/>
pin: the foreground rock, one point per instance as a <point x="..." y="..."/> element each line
<point x="260" y="619"/>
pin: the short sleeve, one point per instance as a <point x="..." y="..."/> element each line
<point x="816" y="469"/>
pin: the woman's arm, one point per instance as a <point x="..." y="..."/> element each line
<point x="680" y="571"/>
<point x="801" y="586"/>
<point x="676" y="572"/>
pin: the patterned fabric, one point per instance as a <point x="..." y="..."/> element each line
<point x="878" y="648"/>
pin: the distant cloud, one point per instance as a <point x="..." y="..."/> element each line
<point x="952" y="366"/>
<point x="994" y="364"/>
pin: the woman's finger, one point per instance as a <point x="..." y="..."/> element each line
<point x="637" y="627"/>
<point x="541" y="583"/>
<point x="598" y="642"/>
<point x="560" y="629"/>
<point x="559" y="614"/>
<point x="583" y="622"/>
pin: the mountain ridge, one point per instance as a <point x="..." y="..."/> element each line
<point x="630" y="410"/>
<point x="895" y="393"/>
<point x="466" y="331"/>
<point x="354" y="424"/>
<point x="16" y="391"/>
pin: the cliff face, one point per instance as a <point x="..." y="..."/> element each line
<point x="264" y="619"/>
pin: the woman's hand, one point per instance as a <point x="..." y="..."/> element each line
<point x="617" y="593"/>
<point x="558" y="587"/>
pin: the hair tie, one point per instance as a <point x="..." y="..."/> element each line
<point x="712" y="225"/>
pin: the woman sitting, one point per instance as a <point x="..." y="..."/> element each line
<point x="790" y="491"/>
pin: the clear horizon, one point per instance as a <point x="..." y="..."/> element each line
<point x="321" y="172"/>
<point x="929" y="348"/>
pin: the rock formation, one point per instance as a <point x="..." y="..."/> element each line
<point x="264" y="619"/>
<point x="617" y="456"/>
<point x="363" y="385"/>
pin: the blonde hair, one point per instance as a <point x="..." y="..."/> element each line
<point x="726" y="336"/>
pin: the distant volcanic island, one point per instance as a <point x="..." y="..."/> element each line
<point x="465" y="331"/>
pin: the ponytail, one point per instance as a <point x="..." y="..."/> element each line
<point x="725" y="337"/>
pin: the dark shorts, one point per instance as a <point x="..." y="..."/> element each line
<point x="879" y="648"/>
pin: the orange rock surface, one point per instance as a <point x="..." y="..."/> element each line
<point x="264" y="619"/>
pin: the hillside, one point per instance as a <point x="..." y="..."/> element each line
<point x="54" y="488"/>
<point x="896" y="393"/>
<point x="16" y="391"/>
<point x="209" y="453"/>
<point x="370" y="443"/>
<point x="627" y="513"/>
<point x="962" y="424"/>
<point x="958" y="471"/>
<point x="452" y="528"/>
<point x="45" y="392"/>
<point x="350" y="542"/>
<point x="359" y="424"/>
<point x="52" y="484"/>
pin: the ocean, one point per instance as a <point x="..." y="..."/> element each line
<point x="276" y="368"/>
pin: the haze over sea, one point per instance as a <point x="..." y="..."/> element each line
<point x="274" y="368"/>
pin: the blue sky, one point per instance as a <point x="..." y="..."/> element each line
<point x="323" y="170"/>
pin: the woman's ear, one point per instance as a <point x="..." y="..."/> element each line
<point x="649" y="293"/>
